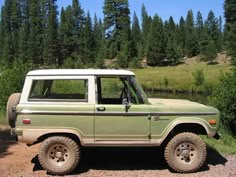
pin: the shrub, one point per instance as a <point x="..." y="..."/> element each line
<point x="224" y="98"/>
<point x="199" y="77"/>
<point x="135" y="63"/>
<point x="166" y="82"/>
<point x="11" y="81"/>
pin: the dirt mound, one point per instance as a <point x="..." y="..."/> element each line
<point x="221" y="59"/>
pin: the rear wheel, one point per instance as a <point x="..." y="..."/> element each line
<point x="13" y="101"/>
<point x="185" y="153"/>
<point x="59" y="155"/>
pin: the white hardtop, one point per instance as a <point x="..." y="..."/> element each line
<point x="65" y="72"/>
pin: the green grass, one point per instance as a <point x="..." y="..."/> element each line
<point x="226" y="145"/>
<point x="3" y="120"/>
<point x="179" y="77"/>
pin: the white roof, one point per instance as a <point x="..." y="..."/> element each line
<point x="55" y="72"/>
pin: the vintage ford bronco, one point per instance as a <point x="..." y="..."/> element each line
<point x="66" y="109"/>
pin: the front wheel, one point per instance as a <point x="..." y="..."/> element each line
<point x="185" y="153"/>
<point x="59" y="155"/>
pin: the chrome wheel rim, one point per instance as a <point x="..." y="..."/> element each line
<point x="58" y="155"/>
<point x="186" y="153"/>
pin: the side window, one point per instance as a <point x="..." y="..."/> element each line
<point x="59" y="90"/>
<point x="111" y="90"/>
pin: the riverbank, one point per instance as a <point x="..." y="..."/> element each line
<point x="180" y="78"/>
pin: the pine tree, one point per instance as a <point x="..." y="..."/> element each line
<point x="191" y="37"/>
<point x="63" y="53"/>
<point x="1" y="35"/>
<point x="146" y="23"/>
<point x="7" y="49"/>
<point x="35" y="39"/>
<point x="99" y="42"/>
<point x="50" y="52"/>
<point x="117" y="26"/>
<point x="181" y="36"/>
<point x="173" y="50"/>
<point x="211" y="52"/>
<point x="212" y="27"/>
<point x="136" y="37"/>
<point x="78" y="20"/>
<point x="70" y="31"/>
<point x="87" y="42"/>
<point x="24" y="31"/>
<point x="230" y="17"/>
<point x="156" y="43"/>
<point x="98" y="32"/>
<point x="220" y="37"/>
<point x="200" y="32"/>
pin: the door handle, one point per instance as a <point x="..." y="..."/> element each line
<point x="101" y="109"/>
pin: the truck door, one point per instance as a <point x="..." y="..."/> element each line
<point x="116" y="117"/>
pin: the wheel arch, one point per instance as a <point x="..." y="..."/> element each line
<point x="34" y="136"/>
<point x="198" y="126"/>
<point x="69" y="135"/>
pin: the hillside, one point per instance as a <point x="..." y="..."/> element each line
<point x="180" y="78"/>
<point x="222" y="59"/>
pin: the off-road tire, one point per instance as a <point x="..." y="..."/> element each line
<point x="12" y="102"/>
<point x="50" y="151"/>
<point x="185" y="153"/>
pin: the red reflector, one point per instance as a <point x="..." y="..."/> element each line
<point x="212" y="122"/>
<point x="26" y="121"/>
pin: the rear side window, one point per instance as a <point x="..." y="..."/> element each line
<point x="59" y="90"/>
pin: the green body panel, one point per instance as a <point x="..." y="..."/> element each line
<point x="122" y="127"/>
<point x="119" y="127"/>
<point x="84" y="124"/>
<point x="166" y="122"/>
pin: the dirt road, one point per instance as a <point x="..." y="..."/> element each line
<point x="17" y="159"/>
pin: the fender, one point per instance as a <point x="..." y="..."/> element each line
<point x="211" y="131"/>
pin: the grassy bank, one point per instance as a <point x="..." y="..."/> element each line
<point x="179" y="78"/>
<point x="226" y="145"/>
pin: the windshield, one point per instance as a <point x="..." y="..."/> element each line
<point x="136" y="87"/>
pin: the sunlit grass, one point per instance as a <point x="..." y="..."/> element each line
<point x="179" y="77"/>
<point x="226" y="145"/>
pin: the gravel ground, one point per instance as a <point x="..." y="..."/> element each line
<point x="16" y="159"/>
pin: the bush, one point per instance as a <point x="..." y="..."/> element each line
<point x="73" y="62"/>
<point x="135" y="63"/>
<point x="11" y="81"/>
<point x="122" y="60"/>
<point x="224" y="98"/>
<point x="199" y="77"/>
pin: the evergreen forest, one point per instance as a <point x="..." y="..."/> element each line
<point x="38" y="33"/>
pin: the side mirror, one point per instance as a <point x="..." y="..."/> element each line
<point x="126" y="103"/>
